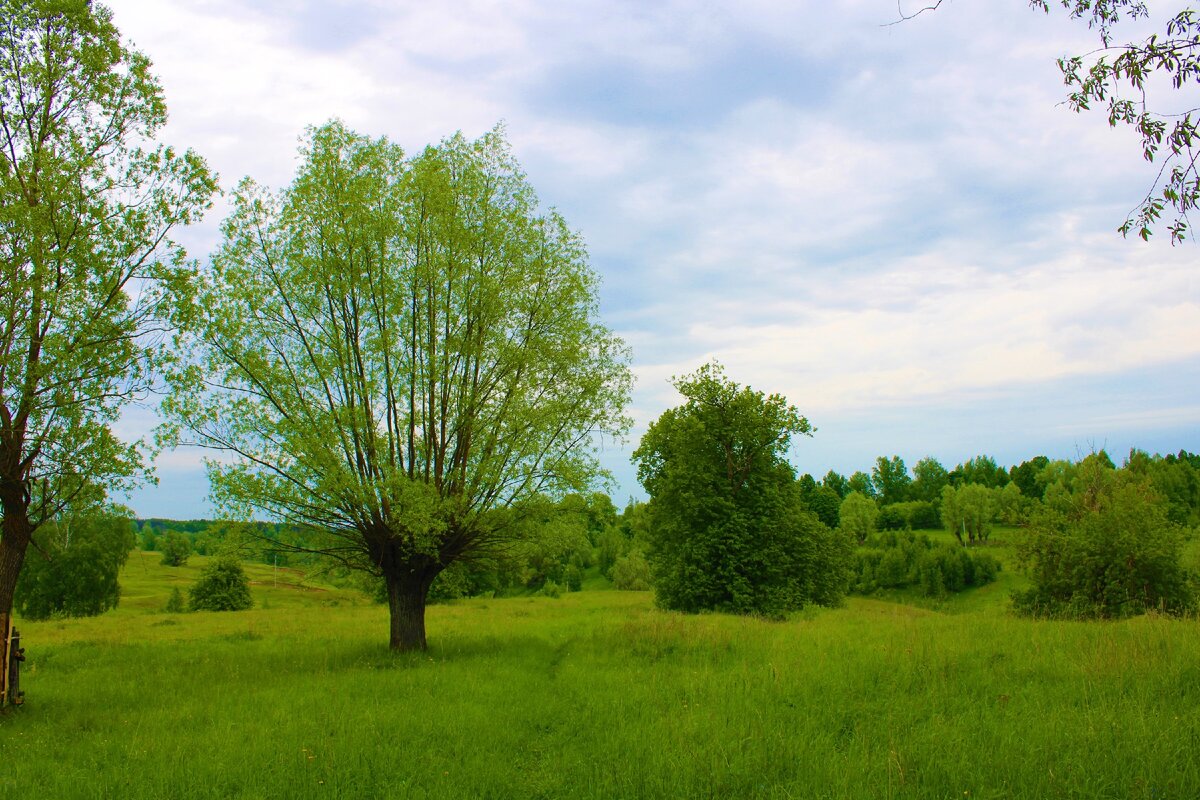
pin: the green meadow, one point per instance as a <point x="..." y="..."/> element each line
<point x="599" y="695"/>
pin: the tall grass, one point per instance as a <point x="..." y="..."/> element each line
<point x="599" y="695"/>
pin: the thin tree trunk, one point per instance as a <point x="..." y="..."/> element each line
<point x="13" y="544"/>
<point x="406" y="601"/>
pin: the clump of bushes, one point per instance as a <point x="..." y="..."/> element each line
<point x="73" y="570"/>
<point x="1104" y="547"/>
<point x="176" y="548"/>
<point x="222" y="587"/>
<point x="912" y="515"/>
<point x="900" y="560"/>
<point x="631" y="573"/>
<point x="175" y="603"/>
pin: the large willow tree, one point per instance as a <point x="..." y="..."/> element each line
<point x="87" y="204"/>
<point x="396" y="355"/>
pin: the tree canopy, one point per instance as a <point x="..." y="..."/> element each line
<point x="729" y="530"/>
<point x="397" y="354"/>
<point x="87" y="205"/>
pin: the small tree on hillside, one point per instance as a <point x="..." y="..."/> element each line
<point x="967" y="511"/>
<point x="1105" y="547"/>
<point x="74" y="570"/>
<point x="176" y="548"/>
<point x="729" y="531"/>
<point x="222" y="587"/>
<point x="858" y="516"/>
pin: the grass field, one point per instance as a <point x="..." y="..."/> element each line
<point x="597" y="694"/>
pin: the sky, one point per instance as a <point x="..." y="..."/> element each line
<point x="901" y="228"/>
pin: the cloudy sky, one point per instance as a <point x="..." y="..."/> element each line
<point x="898" y="227"/>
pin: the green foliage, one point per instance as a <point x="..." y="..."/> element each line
<point x="632" y="573"/>
<point x="1176" y="478"/>
<point x="175" y="548"/>
<point x="148" y="539"/>
<point x="1104" y="546"/>
<point x="861" y="482"/>
<point x="891" y="480"/>
<point x="858" y="516"/>
<point x="73" y="572"/>
<point x="1027" y="477"/>
<point x="981" y="470"/>
<point x="822" y="501"/>
<point x="89" y="269"/>
<point x="729" y="531"/>
<point x="175" y="604"/>
<point x="1126" y="80"/>
<point x="837" y="483"/>
<point x="929" y="476"/>
<point x="222" y="587"/>
<point x="897" y="561"/>
<point x="913" y="515"/>
<point x="458" y="323"/>
<point x="968" y="511"/>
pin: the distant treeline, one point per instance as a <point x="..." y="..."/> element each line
<point x="915" y="499"/>
<point x="570" y="540"/>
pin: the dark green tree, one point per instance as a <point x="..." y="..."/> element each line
<point x="1104" y="547"/>
<point x="822" y="501"/>
<point x="891" y="480"/>
<point x="861" y="482"/>
<point x="729" y="531"/>
<point x="1027" y="477"/>
<point x="223" y="586"/>
<point x="982" y="470"/>
<point x="929" y="476"/>
<point x="73" y="571"/>
<point x="175" y="548"/>
<point x="837" y="482"/>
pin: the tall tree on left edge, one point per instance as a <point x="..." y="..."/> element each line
<point x="87" y="203"/>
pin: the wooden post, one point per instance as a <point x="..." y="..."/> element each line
<point x="5" y="639"/>
<point x="16" y="654"/>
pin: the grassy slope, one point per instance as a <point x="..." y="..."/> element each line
<point x="597" y="694"/>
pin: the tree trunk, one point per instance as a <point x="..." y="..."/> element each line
<point x="14" y="541"/>
<point x="406" y="602"/>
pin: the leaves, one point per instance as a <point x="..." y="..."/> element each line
<point x="1138" y="67"/>
<point x="393" y="349"/>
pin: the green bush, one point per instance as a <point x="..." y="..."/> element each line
<point x="222" y="587"/>
<point x="73" y="571"/>
<point x="175" y="602"/>
<point x="574" y="578"/>
<point x="891" y="518"/>
<point x="631" y="573"/>
<point x="176" y="548"/>
<point x="1104" y="547"/>
<point x="899" y="560"/>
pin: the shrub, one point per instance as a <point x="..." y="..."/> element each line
<point x="574" y="578"/>
<point x="79" y="579"/>
<point x="632" y="573"/>
<point x="175" y="602"/>
<point x="550" y="589"/>
<point x="857" y="515"/>
<point x="222" y="587"/>
<point x="892" y="518"/>
<point x="896" y="561"/>
<point x="1104" y="547"/>
<point x="175" y="549"/>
